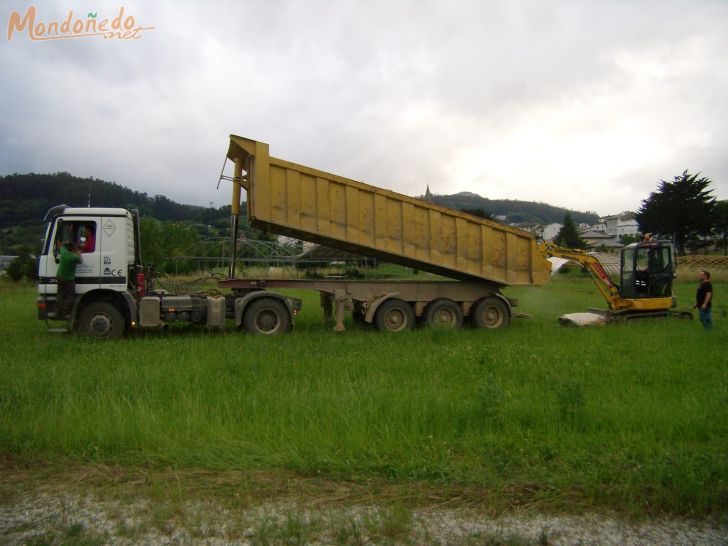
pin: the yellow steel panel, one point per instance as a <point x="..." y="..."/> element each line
<point x="461" y="236"/>
<point x="337" y="210"/>
<point x="499" y="252"/>
<point x="322" y="207"/>
<point x="380" y="221"/>
<point x="472" y="246"/>
<point x="409" y="237"/>
<point x="261" y="190"/>
<point x="278" y="196"/>
<point x="293" y="197"/>
<point x="510" y="257"/>
<point x="487" y="269"/>
<point x="351" y="222"/>
<point x="447" y="243"/>
<point x="433" y="220"/>
<point x="523" y="254"/>
<point x="421" y="233"/>
<point x="309" y="218"/>
<point x="366" y="218"/>
<point x="394" y="226"/>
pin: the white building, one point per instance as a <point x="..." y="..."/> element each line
<point x="628" y="227"/>
<point x="624" y="223"/>
<point x="599" y="228"/>
<point x="550" y="231"/>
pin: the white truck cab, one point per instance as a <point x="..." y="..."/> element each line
<point x="106" y="274"/>
<point x="105" y="237"/>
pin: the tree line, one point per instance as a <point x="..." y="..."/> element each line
<point x="685" y="211"/>
<point x="682" y="210"/>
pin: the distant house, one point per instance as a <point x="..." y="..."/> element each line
<point x="534" y="229"/>
<point x="607" y="245"/>
<point x="598" y="228"/>
<point x="628" y="227"/>
<point x="550" y="231"/>
<point x="595" y="240"/>
<point x="624" y="223"/>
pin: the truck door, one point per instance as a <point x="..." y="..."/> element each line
<point x="81" y="231"/>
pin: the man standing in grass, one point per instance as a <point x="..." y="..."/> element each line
<point x="66" y="277"/>
<point x="704" y="300"/>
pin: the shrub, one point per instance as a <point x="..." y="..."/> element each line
<point x="22" y="266"/>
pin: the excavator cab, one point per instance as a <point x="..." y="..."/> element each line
<point x="646" y="270"/>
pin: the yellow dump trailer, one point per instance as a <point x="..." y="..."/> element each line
<point x="312" y="205"/>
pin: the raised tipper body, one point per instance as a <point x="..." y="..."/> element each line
<point x="298" y="201"/>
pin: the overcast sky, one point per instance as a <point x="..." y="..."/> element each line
<point x="581" y="104"/>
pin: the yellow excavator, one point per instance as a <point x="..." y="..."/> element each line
<point x="646" y="274"/>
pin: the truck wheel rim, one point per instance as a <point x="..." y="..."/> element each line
<point x="444" y="318"/>
<point x="100" y="325"/>
<point x="491" y="317"/>
<point x="266" y="321"/>
<point x="395" y="319"/>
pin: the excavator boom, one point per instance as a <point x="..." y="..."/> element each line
<point x="607" y="288"/>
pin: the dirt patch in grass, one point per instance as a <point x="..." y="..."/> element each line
<point x="99" y="504"/>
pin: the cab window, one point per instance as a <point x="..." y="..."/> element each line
<point x="81" y="233"/>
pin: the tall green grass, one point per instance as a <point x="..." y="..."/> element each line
<point x="630" y="417"/>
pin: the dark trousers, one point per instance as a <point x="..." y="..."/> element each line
<point x="66" y="295"/>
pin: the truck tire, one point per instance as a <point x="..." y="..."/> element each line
<point x="102" y="320"/>
<point x="444" y="313"/>
<point x="394" y="315"/>
<point x="267" y="317"/>
<point x="491" y="313"/>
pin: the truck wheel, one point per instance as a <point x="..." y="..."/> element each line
<point x="101" y="320"/>
<point x="267" y="316"/>
<point x="444" y="313"/>
<point x="394" y="315"/>
<point x="491" y="313"/>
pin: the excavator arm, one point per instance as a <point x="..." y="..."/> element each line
<point x="606" y="287"/>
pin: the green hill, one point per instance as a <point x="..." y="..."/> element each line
<point x="516" y="212"/>
<point x="27" y="197"/>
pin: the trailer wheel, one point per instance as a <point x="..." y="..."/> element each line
<point x="101" y="320"/>
<point x="444" y="313"/>
<point x="394" y="315"/>
<point x="267" y="317"/>
<point x="491" y="313"/>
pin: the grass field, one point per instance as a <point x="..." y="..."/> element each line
<point x="626" y="418"/>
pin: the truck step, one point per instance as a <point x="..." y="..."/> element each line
<point x="56" y="329"/>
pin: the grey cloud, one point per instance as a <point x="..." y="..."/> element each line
<point x="500" y="98"/>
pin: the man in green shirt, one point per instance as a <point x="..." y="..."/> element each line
<point x="66" y="277"/>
